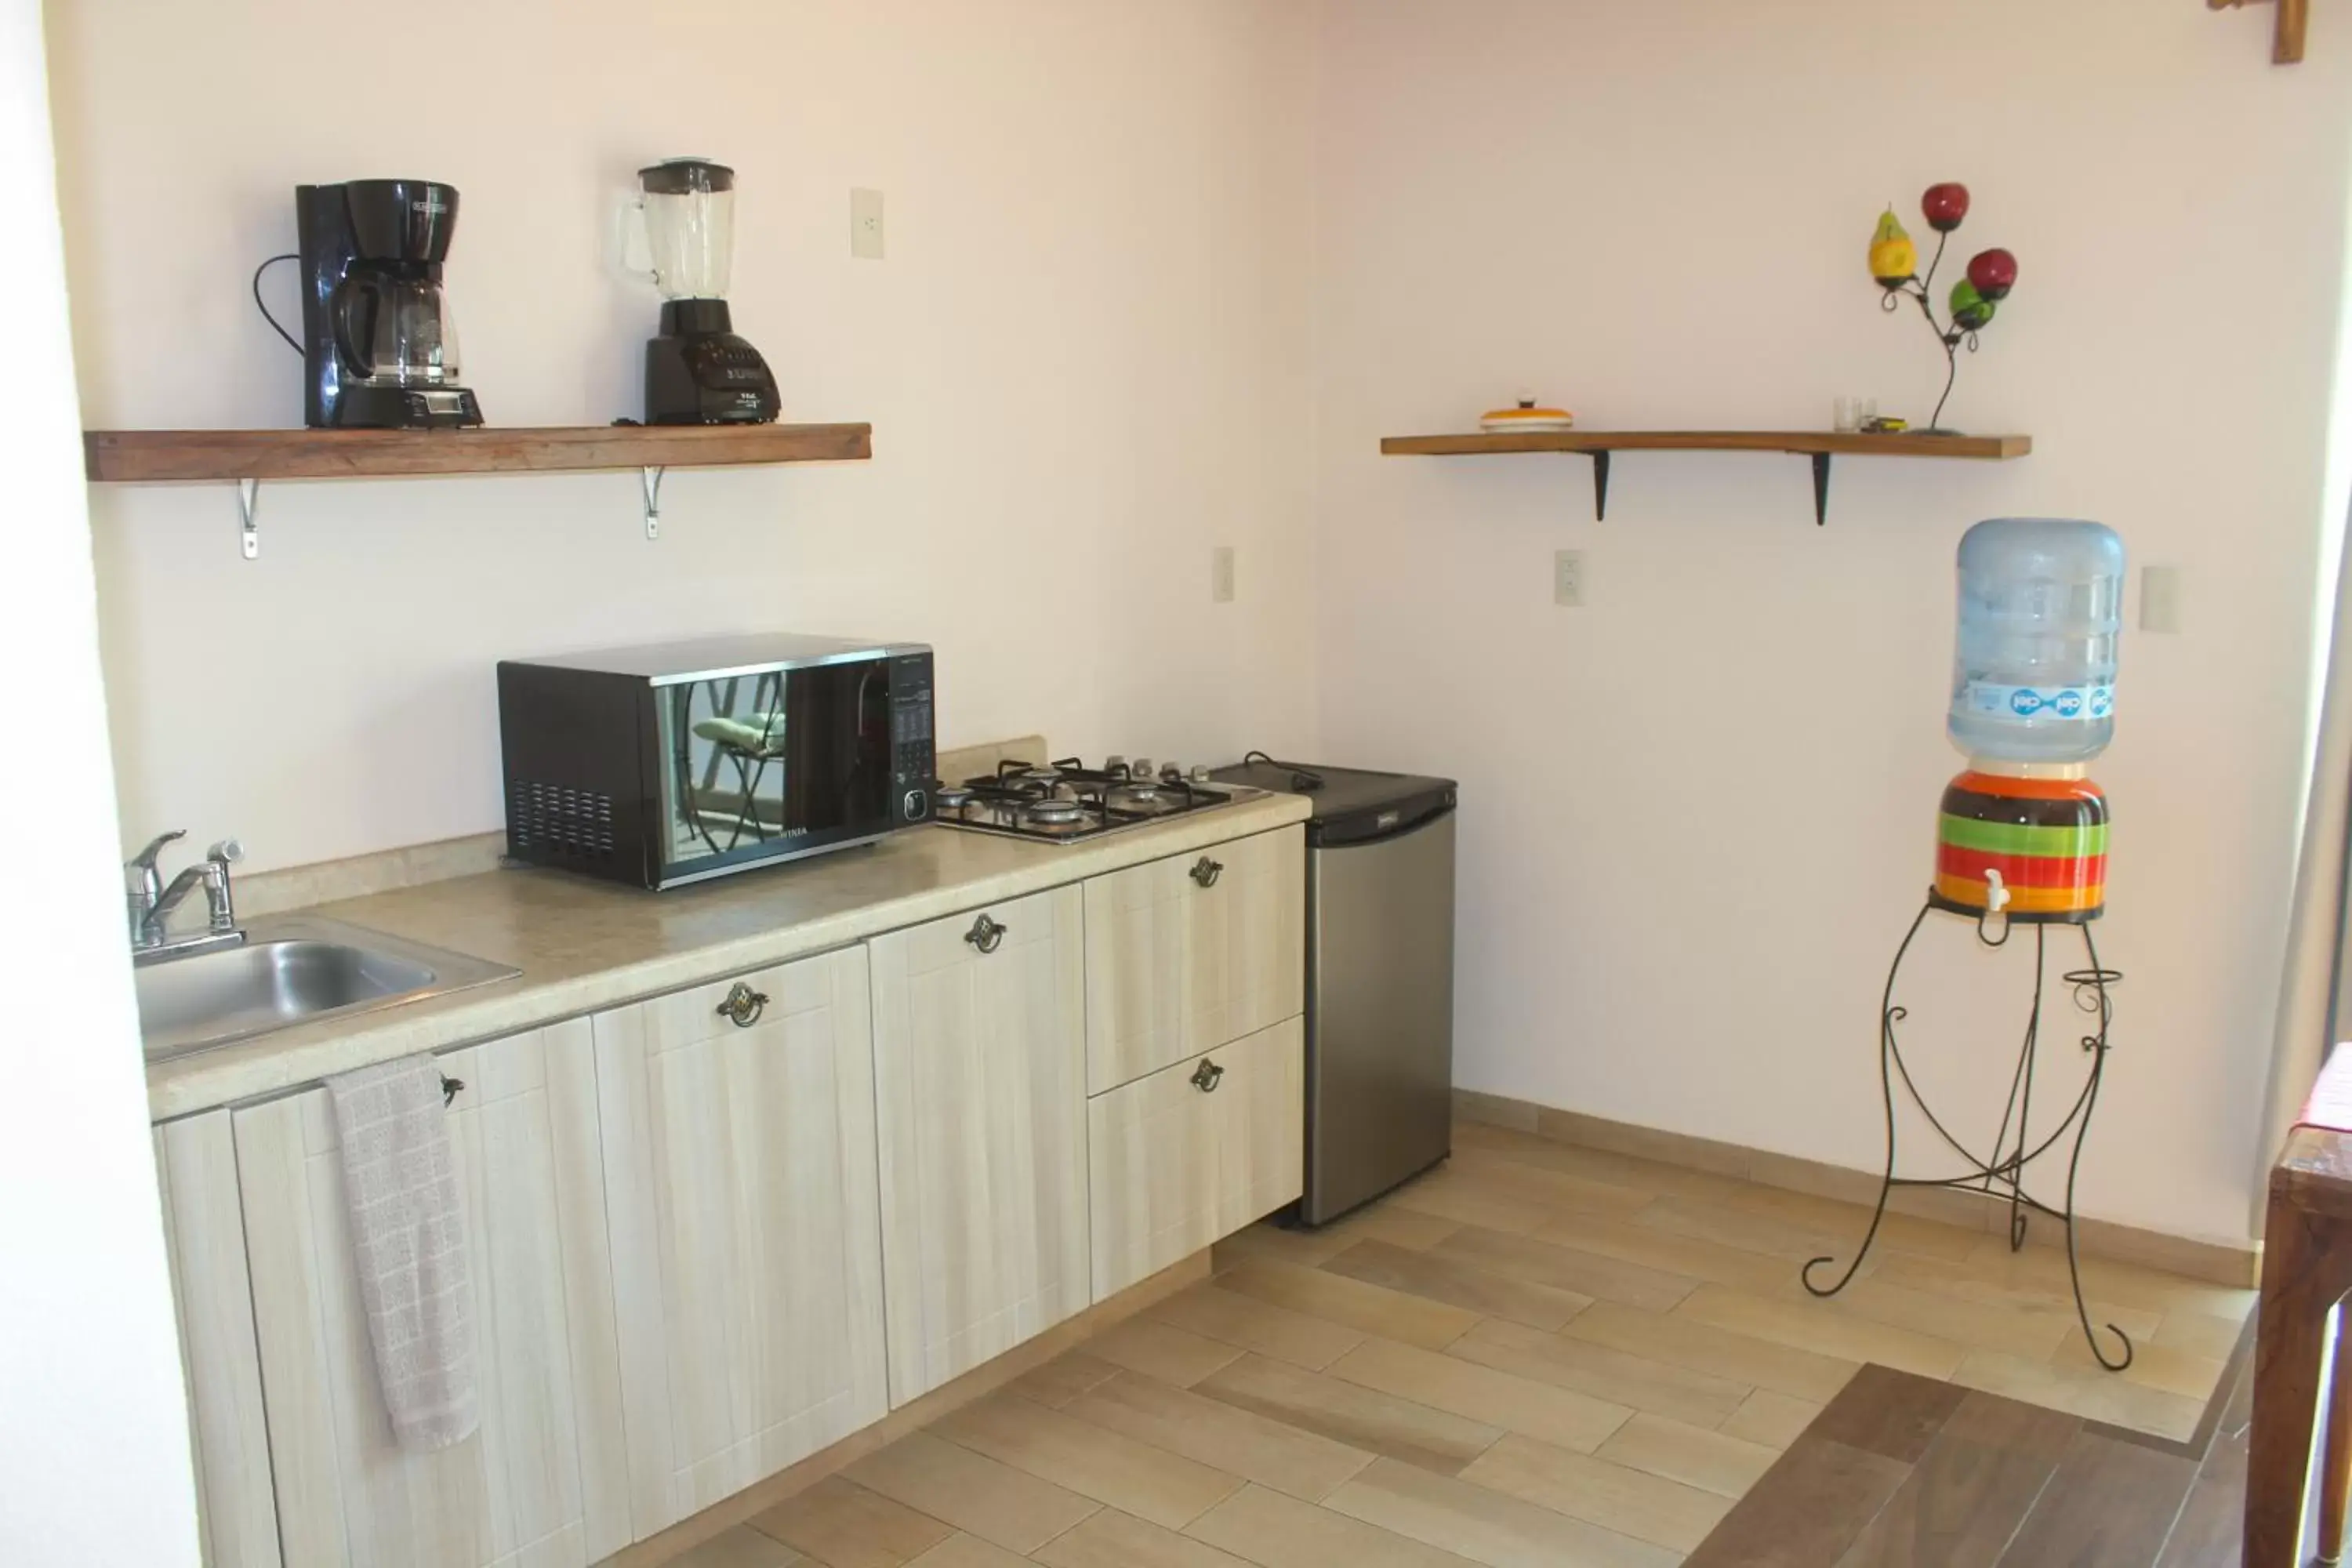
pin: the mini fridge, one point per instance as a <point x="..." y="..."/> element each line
<point x="1380" y="976"/>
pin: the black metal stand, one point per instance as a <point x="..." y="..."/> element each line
<point x="2005" y="1171"/>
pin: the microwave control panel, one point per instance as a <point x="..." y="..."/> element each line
<point x="914" y="758"/>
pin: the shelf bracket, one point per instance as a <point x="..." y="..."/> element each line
<point x="1821" y="490"/>
<point x="652" y="480"/>
<point x="1601" y="484"/>
<point x="248" y="497"/>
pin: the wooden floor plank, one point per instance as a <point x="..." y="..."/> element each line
<point x="1712" y="1461"/>
<point x="1485" y="1526"/>
<point x="1702" y="1347"/>
<point x="1590" y="1274"/>
<point x="1667" y="1252"/>
<point x="1825" y="1329"/>
<point x="1483" y="1394"/>
<point x="1250" y="1325"/>
<point x="741" y="1547"/>
<point x="1693" y="1397"/>
<point x="1887" y="1412"/>
<point x="1163" y="1351"/>
<point x="843" y="1525"/>
<point x="1279" y="1532"/>
<point x="1448" y="1279"/>
<point x="1307" y="1465"/>
<point x="1352" y="1414"/>
<point x="1109" y="1467"/>
<point x="1600" y="1491"/>
<point x="1807" y="1511"/>
<point x="961" y="1550"/>
<point x="1775" y="1420"/>
<point x="1064" y="1378"/>
<point x="1336" y="1299"/>
<point x="1114" y="1539"/>
<point x="971" y="1491"/>
<point x="2110" y="1504"/>
<point x="2093" y="1395"/>
<point x="1968" y="1493"/>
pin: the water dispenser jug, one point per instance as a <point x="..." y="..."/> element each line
<point x="2033" y="666"/>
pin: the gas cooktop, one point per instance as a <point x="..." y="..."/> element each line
<point x="1065" y="801"/>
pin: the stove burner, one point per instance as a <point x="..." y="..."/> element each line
<point x="1066" y="800"/>
<point x="1039" y="776"/>
<point x="1052" y="813"/>
<point x="953" y="797"/>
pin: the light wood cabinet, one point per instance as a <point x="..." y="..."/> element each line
<point x="1192" y="951"/>
<point x="203" y="1234"/>
<point x="540" y="1483"/>
<point x="980" y="1076"/>
<point x="746" y="1238"/>
<point x="1193" y="1152"/>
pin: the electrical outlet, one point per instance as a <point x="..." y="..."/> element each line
<point x="1567" y="578"/>
<point x="865" y="224"/>
<point x="2159" y="600"/>
<point x="1221" y="575"/>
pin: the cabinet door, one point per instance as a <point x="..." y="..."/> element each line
<point x="1192" y="951"/>
<point x="745" y="1234"/>
<point x="1194" y="1153"/>
<point x="981" y="1079"/>
<point x="539" y="1485"/>
<point x="204" y="1231"/>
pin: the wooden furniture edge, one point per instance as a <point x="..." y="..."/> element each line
<point x="1799" y="442"/>
<point x="2238" y="1266"/>
<point x="199" y="456"/>
<point x="977" y="1383"/>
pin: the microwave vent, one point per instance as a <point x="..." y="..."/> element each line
<point x="575" y="823"/>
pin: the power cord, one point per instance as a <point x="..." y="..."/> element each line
<point x="1305" y="780"/>
<point x="291" y="341"/>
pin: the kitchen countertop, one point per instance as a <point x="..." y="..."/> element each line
<point x="583" y="945"/>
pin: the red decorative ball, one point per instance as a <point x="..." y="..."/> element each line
<point x="1945" y="206"/>
<point x="1994" y="272"/>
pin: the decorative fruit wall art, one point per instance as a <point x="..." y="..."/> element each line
<point x="1973" y="301"/>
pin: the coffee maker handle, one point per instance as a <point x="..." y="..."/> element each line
<point x="355" y="337"/>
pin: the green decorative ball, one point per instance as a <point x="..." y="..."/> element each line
<point x="1970" y="308"/>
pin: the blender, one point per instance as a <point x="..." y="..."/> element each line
<point x="697" y="372"/>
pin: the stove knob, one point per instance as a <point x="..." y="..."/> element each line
<point x="1141" y="768"/>
<point x="1114" y="763"/>
<point x="917" y="805"/>
<point x="1200" y="775"/>
<point x="1173" y="773"/>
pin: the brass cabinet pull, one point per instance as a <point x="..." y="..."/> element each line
<point x="1206" y="1076"/>
<point x="743" y="1006"/>
<point x="1206" y="871"/>
<point x="986" y="934"/>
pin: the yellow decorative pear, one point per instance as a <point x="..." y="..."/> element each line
<point x="1892" y="258"/>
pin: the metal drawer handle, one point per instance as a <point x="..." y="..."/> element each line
<point x="743" y="1006"/>
<point x="986" y="934"/>
<point x="1206" y="1076"/>
<point x="1206" y="871"/>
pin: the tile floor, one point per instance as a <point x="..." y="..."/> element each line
<point x="1537" y="1355"/>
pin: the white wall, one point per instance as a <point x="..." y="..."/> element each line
<point x="93" y="1433"/>
<point x="1085" y="360"/>
<point x="1698" y="813"/>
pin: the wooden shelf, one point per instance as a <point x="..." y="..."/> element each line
<point x="132" y="456"/>
<point x="1820" y="446"/>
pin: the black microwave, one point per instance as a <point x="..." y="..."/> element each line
<point x="657" y="766"/>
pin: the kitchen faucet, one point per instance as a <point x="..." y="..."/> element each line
<point x="151" y="903"/>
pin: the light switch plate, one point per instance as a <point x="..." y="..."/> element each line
<point x="1567" y="578"/>
<point x="1221" y="575"/>
<point x="865" y="224"/>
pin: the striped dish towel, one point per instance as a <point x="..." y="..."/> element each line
<point x="408" y="1243"/>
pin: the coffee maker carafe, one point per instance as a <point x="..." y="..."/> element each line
<point x="697" y="372"/>
<point x="380" y="349"/>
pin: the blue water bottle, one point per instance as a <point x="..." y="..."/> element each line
<point x="2033" y="667"/>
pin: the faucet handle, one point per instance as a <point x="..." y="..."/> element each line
<point x="145" y="858"/>
<point x="227" y="852"/>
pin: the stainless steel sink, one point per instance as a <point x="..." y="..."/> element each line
<point x="290" y="969"/>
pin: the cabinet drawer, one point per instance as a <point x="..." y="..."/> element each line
<point x="1191" y="952"/>
<point x="1193" y="1152"/>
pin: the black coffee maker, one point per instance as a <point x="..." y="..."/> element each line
<point x="378" y="346"/>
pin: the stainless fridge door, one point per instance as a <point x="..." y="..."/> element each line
<point x="1380" y="1015"/>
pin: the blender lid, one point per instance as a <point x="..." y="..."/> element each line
<point x="686" y="176"/>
